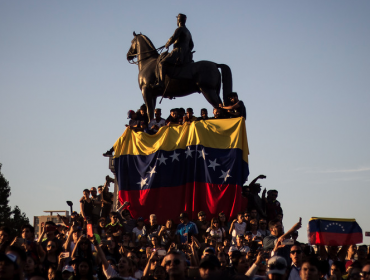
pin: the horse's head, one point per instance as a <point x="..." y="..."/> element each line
<point x="133" y="51"/>
<point x="141" y="45"/>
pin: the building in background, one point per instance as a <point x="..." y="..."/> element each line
<point x="53" y="216"/>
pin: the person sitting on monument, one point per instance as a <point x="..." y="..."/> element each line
<point x="173" y="118"/>
<point x="237" y="109"/>
<point x="189" y="117"/>
<point x="181" y="53"/>
<point x="156" y="123"/>
<point x="203" y="115"/>
<point x="142" y="114"/>
<point x="181" y="113"/>
<point x="133" y="124"/>
<point x="217" y="113"/>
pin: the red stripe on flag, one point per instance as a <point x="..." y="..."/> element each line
<point x="335" y="239"/>
<point x="168" y="203"/>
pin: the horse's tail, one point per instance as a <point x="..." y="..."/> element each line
<point x="227" y="80"/>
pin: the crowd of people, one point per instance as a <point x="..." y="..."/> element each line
<point x="139" y="120"/>
<point x="102" y="243"/>
<point x="99" y="243"/>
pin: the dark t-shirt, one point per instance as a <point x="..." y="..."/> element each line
<point x="88" y="207"/>
<point x="241" y="110"/>
<point x="173" y="120"/>
<point x="143" y="118"/>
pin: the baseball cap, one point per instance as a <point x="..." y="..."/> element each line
<point x="276" y="265"/>
<point x="183" y="215"/>
<point x="209" y="250"/>
<point x="67" y="268"/>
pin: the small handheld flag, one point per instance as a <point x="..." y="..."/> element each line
<point x="333" y="232"/>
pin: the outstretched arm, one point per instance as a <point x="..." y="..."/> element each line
<point x="236" y="105"/>
<point x="297" y="226"/>
<point x="101" y="255"/>
<point x="258" y="177"/>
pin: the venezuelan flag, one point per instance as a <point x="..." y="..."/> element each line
<point x="190" y="167"/>
<point x="334" y="232"/>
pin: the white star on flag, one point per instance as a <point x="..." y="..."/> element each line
<point x="202" y="154"/>
<point x="225" y="175"/>
<point x="142" y="183"/>
<point x="162" y="159"/>
<point x="188" y="153"/>
<point x="213" y="164"/>
<point x="152" y="171"/>
<point x="175" y="156"/>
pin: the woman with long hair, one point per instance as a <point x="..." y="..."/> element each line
<point x="111" y="249"/>
<point x="215" y="231"/>
<point x="51" y="257"/>
<point x="31" y="267"/>
<point x="154" y="243"/>
<point x="83" y="249"/>
<point x="167" y="233"/>
<point x="223" y="222"/>
<point x="84" y="270"/>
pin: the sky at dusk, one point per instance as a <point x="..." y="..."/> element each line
<point x="300" y="67"/>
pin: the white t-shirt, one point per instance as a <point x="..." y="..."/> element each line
<point x="216" y="233"/>
<point x="238" y="229"/>
<point x="139" y="232"/>
<point x="161" y="123"/>
<point x="258" y="234"/>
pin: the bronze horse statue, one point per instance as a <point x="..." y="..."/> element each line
<point x="202" y="76"/>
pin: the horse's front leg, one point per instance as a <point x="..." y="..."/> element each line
<point x="149" y="99"/>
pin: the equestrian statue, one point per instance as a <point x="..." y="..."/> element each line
<point x="175" y="74"/>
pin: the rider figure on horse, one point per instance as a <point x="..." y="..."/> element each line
<point x="181" y="53"/>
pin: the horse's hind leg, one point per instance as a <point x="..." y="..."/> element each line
<point x="212" y="96"/>
<point x="150" y="101"/>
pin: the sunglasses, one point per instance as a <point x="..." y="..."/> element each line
<point x="295" y="252"/>
<point x="174" y="262"/>
<point x="364" y="274"/>
<point x="51" y="246"/>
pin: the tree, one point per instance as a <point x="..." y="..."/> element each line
<point x="14" y="219"/>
